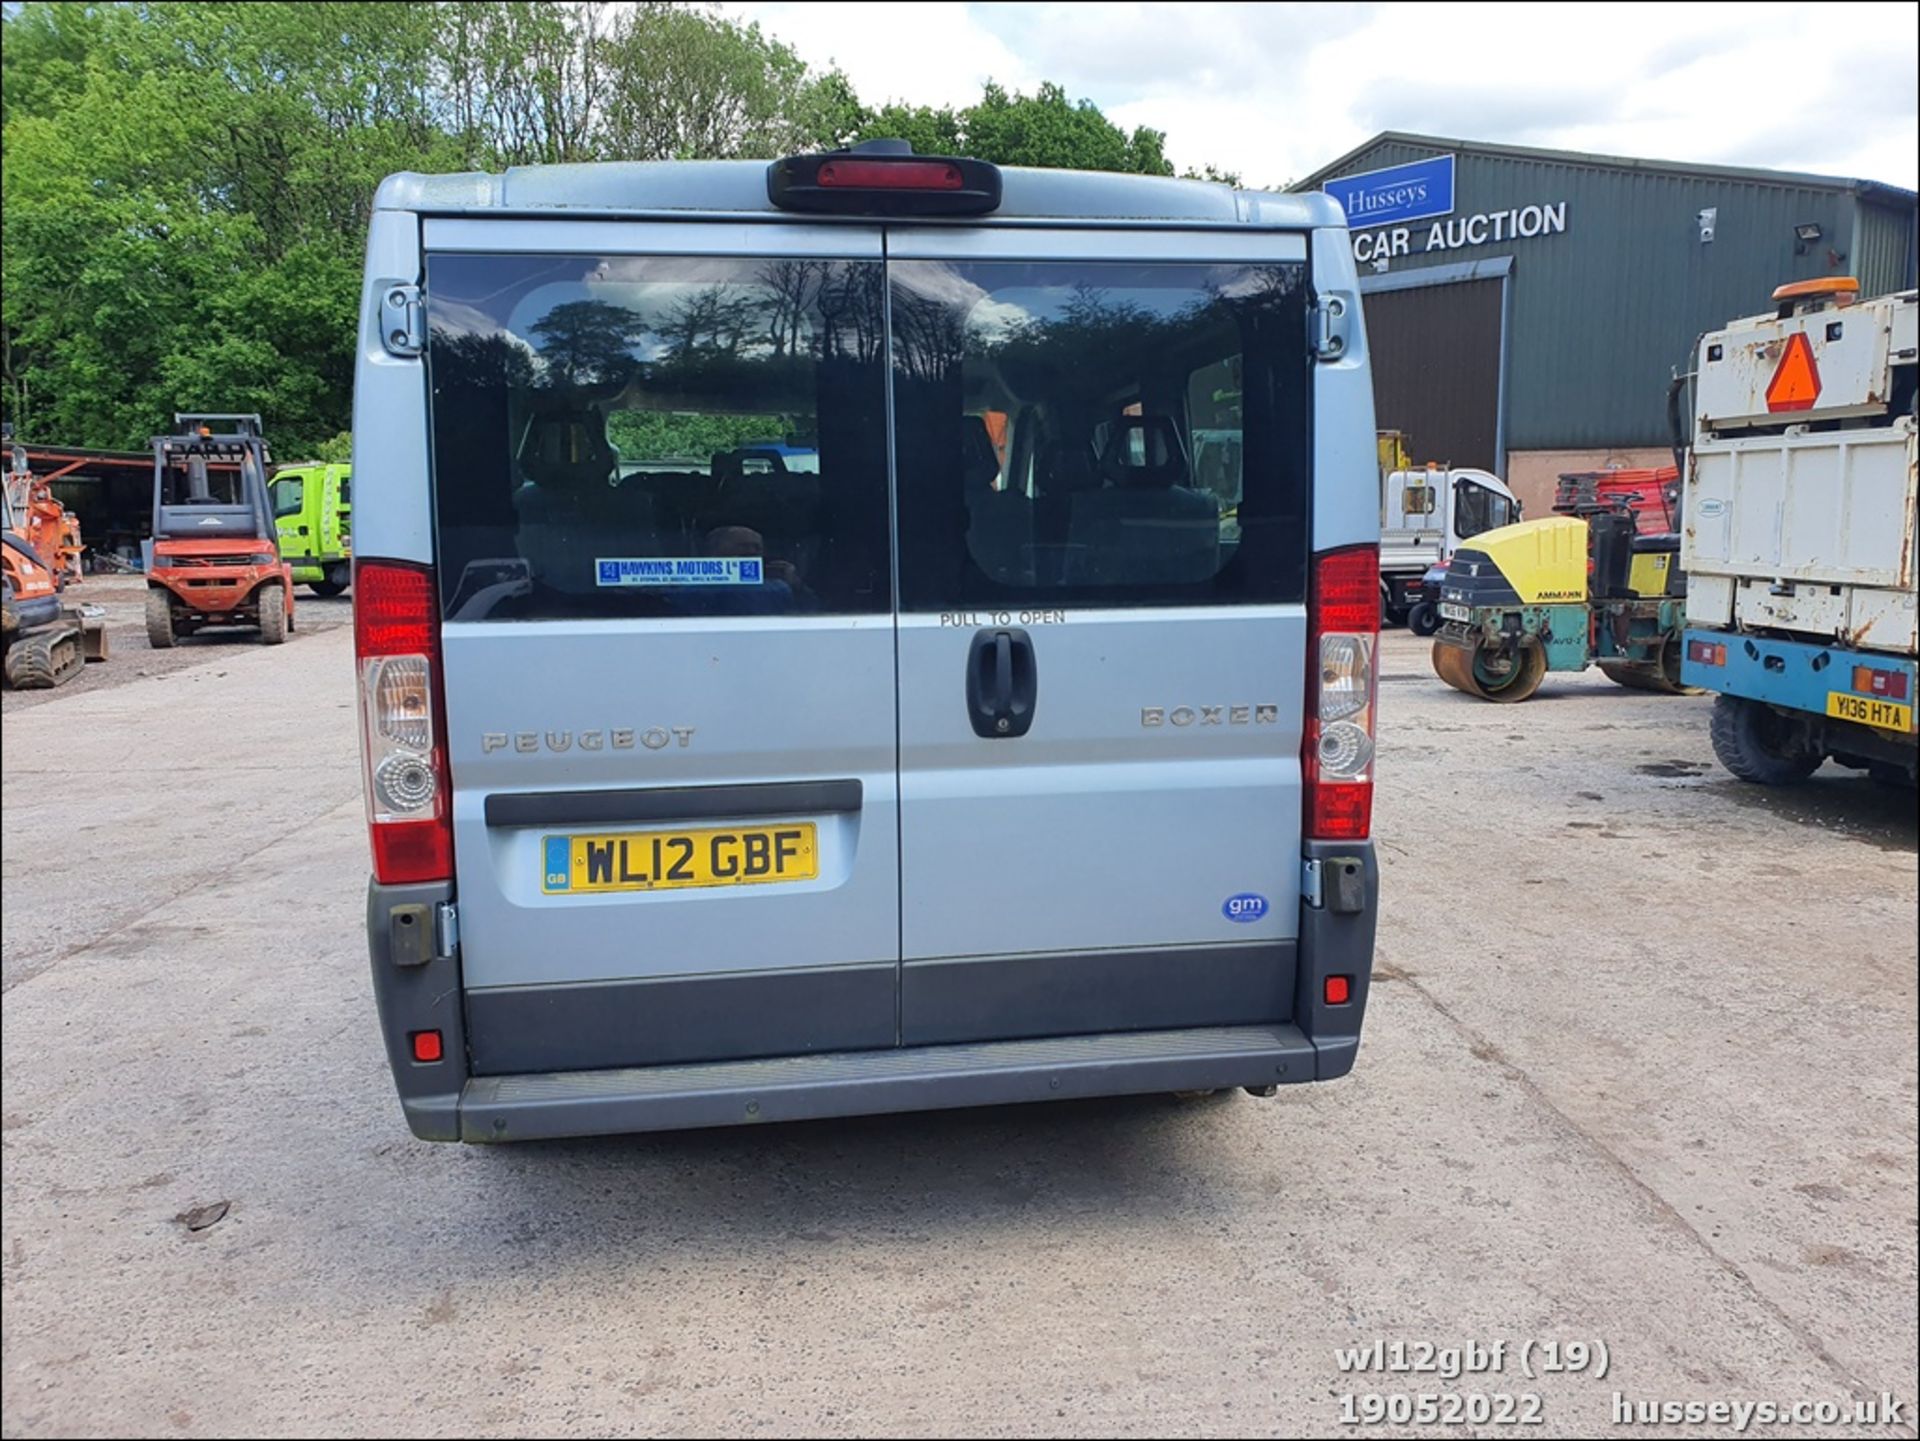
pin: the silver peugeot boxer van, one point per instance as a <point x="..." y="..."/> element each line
<point x="864" y="633"/>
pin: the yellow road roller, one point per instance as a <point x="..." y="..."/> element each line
<point x="1561" y="594"/>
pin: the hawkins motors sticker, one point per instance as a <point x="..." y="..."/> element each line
<point x="680" y="570"/>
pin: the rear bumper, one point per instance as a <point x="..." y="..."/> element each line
<point x="213" y="590"/>
<point x="444" y="1101"/>
<point x="1791" y="674"/>
<point x="859" y="1083"/>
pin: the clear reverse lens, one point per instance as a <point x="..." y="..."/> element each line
<point x="404" y="782"/>
<point x="1345" y="750"/>
<point x="1345" y="662"/>
<point x="402" y="703"/>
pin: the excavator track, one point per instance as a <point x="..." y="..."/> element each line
<point x="43" y="661"/>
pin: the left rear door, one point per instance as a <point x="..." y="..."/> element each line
<point x="662" y="509"/>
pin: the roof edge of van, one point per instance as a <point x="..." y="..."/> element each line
<point x="733" y="187"/>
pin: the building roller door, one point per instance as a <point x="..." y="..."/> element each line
<point x="1436" y="369"/>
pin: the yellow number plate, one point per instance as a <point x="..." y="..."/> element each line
<point x="1868" y="710"/>
<point x="670" y="860"/>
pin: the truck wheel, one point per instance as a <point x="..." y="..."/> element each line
<point x="273" y="612"/>
<point x="160" y="632"/>
<point x="1756" y="743"/>
<point x="1424" y="618"/>
<point x="337" y="578"/>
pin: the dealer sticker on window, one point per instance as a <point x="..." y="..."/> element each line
<point x="681" y="570"/>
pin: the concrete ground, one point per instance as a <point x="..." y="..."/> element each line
<point x="1640" y="1071"/>
<point x="123" y="599"/>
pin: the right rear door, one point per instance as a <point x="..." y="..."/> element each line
<point x="1101" y="469"/>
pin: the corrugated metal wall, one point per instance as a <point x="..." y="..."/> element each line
<point x="1603" y="312"/>
<point x="1882" y="250"/>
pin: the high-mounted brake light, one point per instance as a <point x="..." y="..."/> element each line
<point x="891" y="175"/>
<point x="1343" y="634"/>
<point x="884" y="177"/>
<point x="396" y="634"/>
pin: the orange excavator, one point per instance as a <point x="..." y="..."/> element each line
<point x="48" y="526"/>
<point x="45" y="642"/>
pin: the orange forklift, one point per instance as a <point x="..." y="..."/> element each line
<point x="215" y="556"/>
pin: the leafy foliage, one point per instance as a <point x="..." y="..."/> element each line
<point x="659" y="435"/>
<point x="1043" y="129"/>
<point x="187" y="185"/>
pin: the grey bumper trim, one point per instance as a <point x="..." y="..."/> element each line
<point x="664" y="1098"/>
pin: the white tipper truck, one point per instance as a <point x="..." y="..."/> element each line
<point x="1799" y="536"/>
<point x="1425" y="514"/>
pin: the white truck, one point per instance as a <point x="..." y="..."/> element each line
<point x="1425" y="514"/>
<point x="1799" y="536"/>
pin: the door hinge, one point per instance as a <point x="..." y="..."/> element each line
<point x="1310" y="884"/>
<point x="403" y="319"/>
<point x="446" y="929"/>
<point x="1332" y="326"/>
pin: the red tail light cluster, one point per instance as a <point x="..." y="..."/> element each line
<point x="396" y="635"/>
<point x="1343" y="634"/>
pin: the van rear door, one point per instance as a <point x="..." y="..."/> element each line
<point x="661" y="498"/>
<point x="1102" y="466"/>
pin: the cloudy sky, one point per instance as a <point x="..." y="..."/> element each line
<point x="1275" y="91"/>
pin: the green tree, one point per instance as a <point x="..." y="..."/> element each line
<point x="1041" y="129"/>
<point x="187" y="186"/>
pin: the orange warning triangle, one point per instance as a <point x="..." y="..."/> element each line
<point x="1796" y="380"/>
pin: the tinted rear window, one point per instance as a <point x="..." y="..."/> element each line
<point x="1100" y="433"/>
<point x="658" y="436"/>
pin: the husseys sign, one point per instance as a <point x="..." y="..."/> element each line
<point x="1403" y="192"/>
<point x="1383" y="205"/>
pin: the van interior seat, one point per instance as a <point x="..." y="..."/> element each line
<point x="571" y="509"/>
<point x="999" y="522"/>
<point x="755" y="490"/>
<point x="1063" y="471"/>
<point x="1144" y="526"/>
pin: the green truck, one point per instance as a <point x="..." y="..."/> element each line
<point x="313" y="511"/>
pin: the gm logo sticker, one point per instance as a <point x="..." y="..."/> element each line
<point x="1244" y="908"/>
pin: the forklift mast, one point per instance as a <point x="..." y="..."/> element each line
<point x="189" y="509"/>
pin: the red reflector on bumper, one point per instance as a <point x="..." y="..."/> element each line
<point x="426" y="1046"/>
<point x="1339" y="990"/>
<point x="1706" y="652"/>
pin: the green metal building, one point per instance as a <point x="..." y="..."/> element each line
<point x="1527" y="308"/>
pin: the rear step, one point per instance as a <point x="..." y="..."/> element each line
<point x="919" y="1078"/>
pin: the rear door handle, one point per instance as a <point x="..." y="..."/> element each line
<point x="1002" y="683"/>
